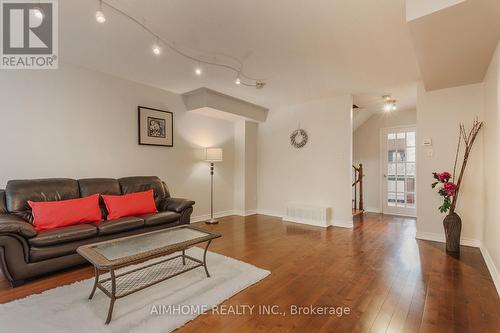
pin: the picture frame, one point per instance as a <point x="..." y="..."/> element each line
<point x="156" y="127"/>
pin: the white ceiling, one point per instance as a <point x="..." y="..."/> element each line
<point x="419" y="8"/>
<point x="454" y="46"/>
<point x="305" y="49"/>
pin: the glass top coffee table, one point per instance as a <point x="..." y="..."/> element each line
<point x="110" y="255"/>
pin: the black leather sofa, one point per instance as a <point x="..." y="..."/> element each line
<point x="26" y="253"/>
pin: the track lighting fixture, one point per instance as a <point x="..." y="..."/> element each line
<point x="230" y="63"/>
<point x="389" y="103"/>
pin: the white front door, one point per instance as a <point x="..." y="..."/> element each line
<point x="399" y="166"/>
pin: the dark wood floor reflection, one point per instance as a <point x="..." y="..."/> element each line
<point x="390" y="281"/>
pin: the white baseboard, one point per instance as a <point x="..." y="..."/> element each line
<point x="304" y="221"/>
<point x="435" y="237"/>
<point x="269" y="213"/>
<point x="217" y="215"/>
<point x="401" y="215"/>
<point x="246" y="212"/>
<point x="373" y="210"/>
<point x="342" y="223"/>
<point x="495" y="275"/>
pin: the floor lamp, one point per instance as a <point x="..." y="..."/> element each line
<point x="212" y="155"/>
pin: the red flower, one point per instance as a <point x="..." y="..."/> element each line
<point x="450" y="188"/>
<point x="443" y="177"/>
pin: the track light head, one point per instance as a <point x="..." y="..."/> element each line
<point x="99" y="17"/>
<point x="238" y="81"/>
<point x="260" y="84"/>
<point x="156" y="49"/>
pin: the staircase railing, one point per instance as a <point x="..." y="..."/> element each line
<point x="358" y="187"/>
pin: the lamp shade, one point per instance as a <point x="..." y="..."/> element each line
<point x="213" y="154"/>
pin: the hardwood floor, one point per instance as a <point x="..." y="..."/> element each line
<point x="390" y="281"/>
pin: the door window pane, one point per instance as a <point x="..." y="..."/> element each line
<point x="391" y="199"/>
<point x="411" y="155"/>
<point x="410" y="139"/>
<point x="400" y="168"/>
<point x="401" y="135"/>
<point x="410" y="200"/>
<point x="410" y="184"/>
<point x="400" y="155"/>
<point x="410" y="169"/>
<point x="400" y="185"/>
<point x="391" y="184"/>
<point x="400" y="199"/>
<point x="391" y="156"/>
<point x="391" y="169"/>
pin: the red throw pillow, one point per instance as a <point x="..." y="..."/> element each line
<point x="49" y="215"/>
<point x="129" y="204"/>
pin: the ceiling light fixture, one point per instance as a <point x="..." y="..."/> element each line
<point x="230" y="63"/>
<point x="198" y="71"/>
<point x="156" y="49"/>
<point x="99" y="15"/>
<point x="390" y="103"/>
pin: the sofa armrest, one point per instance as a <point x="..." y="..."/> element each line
<point x="15" y="225"/>
<point x="177" y="204"/>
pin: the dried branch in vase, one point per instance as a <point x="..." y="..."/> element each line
<point x="449" y="189"/>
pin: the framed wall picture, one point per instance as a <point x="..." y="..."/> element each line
<point x="156" y="127"/>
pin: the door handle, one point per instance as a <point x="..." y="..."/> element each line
<point x="385" y="176"/>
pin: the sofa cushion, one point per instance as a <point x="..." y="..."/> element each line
<point x="18" y="192"/>
<point x="11" y="224"/>
<point x="177" y="204"/>
<point x="3" y="204"/>
<point x="89" y="186"/>
<point x="63" y="235"/>
<point x="41" y="253"/>
<point x="140" y="184"/>
<point x="160" y="218"/>
<point x="119" y="225"/>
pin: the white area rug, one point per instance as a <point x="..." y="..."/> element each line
<point x="67" y="309"/>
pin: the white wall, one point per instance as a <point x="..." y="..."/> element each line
<point x="366" y="150"/>
<point x="245" y="180"/>
<point x="438" y="116"/>
<point x="317" y="174"/>
<point x="78" y="123"/>
<point x="491" y="232"/>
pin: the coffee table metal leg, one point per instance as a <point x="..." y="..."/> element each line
<point x="205" y="258"/>
<point x="184" y="257"/>
<point x="96" y="275"/>
<point x="113" y="295"/>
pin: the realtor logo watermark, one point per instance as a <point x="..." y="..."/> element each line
<point x="29" y="37"/>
